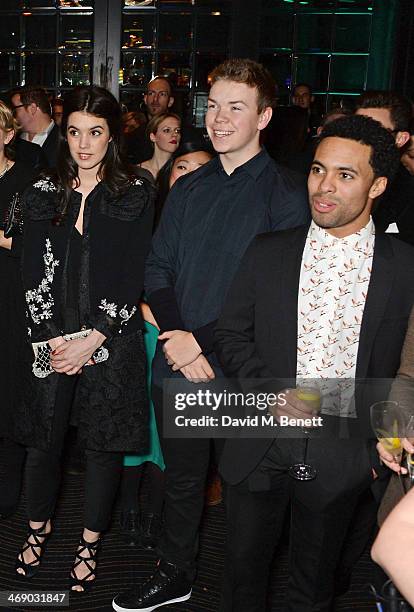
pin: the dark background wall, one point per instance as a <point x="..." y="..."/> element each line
<point x="403" y="66"/>
<point x="339" y="46"/>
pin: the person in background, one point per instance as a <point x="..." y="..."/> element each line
<point x="190" y="156"/>
<point x="144" y="527"/>
<point x="389" y="108"/>
<point x="302" y="96"/>
<point x="86" y="235"/>
<point x="14" y="176"/>
<point x="131" y="121"/>
<point x="407" y="158"/>
<point x="287" y="138"/>
<point x="331" y="115"/>
<point x="159" y="96"/>
<point x="394" y="545"/>
<point x="158" y="99"/>
<point x="33" y="113"/>
<point x="57" y="110"/>
<point x="394" y="212"/>
<point x="164" y="132"/>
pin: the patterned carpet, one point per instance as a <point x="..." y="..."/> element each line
<point x="121" y="565"/>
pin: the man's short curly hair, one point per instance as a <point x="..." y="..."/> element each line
<point x="385" y="157"/>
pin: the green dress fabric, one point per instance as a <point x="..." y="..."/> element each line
<point x="154" y="452"/>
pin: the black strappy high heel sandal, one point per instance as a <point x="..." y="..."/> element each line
<point x="40" y="540"/>
<point x="87" y="581"/>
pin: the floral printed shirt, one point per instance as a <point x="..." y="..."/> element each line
<point x="334" y="279"/>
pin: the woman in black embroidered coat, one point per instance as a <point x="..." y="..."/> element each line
<point x="87" y="232"/>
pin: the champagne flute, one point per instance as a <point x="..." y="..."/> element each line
<point x="303" y="470"/>
<point x="409" y="434"/>
<point x="387" y="421"/>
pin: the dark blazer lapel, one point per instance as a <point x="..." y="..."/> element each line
<point x="379" y="290"/>
<point x="51" y="143"/>
<point x="291" y="265"/>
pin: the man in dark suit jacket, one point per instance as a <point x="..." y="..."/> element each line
<point x="30" y="153"/>
<point x="360" y="289"/>
<point x="393" y="212"/>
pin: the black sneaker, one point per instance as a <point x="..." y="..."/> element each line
<point x="151" y="526"/>
<point x="129" y="524"/>
<point x="168" y="585"/>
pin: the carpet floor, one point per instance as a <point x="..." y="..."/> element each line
<point x="121" y="566"/>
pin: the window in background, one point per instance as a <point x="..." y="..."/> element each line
<point x="136" y="70"/>
<point x="205" y="62"/>
<point x="75" y="69"/>
<point x="47" y="43"/>
<point x="326" y="43"/>
<point x="76" y="31"/>
<point x="138" y="31"/>
<point x="276" y="31"/>
<point x="183" y="40"/>
<point x="10" y="32"/>
<point x="280" y="65"/>
<point x="9" y="71"/>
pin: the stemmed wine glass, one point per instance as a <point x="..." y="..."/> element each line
<point x="303" y="470"/>
<point x="409" y="434"/>
<point x="388" y="423"/>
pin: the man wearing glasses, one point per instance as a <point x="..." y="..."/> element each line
<point x="33" y="112"/>
<point x="158" y="99"/>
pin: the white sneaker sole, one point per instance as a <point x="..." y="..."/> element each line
<point x="165" y="603"/>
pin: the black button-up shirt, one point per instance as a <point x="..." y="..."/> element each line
<point x="208" y="221"/>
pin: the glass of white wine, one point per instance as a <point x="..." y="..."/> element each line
<point x="409" y="434"/>
<point x="312" y="397"/>
<point x="388" y="423"/>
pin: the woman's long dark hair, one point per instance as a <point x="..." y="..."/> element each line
<point x="113" y="170"/>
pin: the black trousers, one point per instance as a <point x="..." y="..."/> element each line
<point x="321" y="512"/>
<point x="12" y="457"/>
<point x="43" y="470"/>
<point x="186" y="467"/>
<point x="360" y="532"/>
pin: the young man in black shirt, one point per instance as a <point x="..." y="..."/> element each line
<point x="210" y="218"/>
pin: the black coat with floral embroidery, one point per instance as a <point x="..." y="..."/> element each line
<point x="111" y="396"/>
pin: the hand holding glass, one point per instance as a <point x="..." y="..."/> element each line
<point x="312" y="397"/>
<point x="387" y="421"/>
